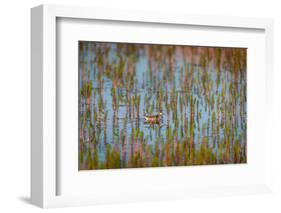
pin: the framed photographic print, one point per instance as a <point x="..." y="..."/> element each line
<point x="132" y="105"/>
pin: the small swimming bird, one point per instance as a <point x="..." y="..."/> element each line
<point x="153" y="118"/>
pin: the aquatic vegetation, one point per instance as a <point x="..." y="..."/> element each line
<point x="143" y="105"/>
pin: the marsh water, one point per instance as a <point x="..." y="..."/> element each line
<point x="144" y="105"/>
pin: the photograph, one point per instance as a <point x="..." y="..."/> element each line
<point x="160" y="105"/>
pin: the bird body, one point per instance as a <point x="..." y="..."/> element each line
<point x="153" y="118"/>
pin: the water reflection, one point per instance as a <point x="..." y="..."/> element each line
<point x="160" y="105"/>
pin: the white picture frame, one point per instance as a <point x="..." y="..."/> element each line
<point x="44" y="153"/>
